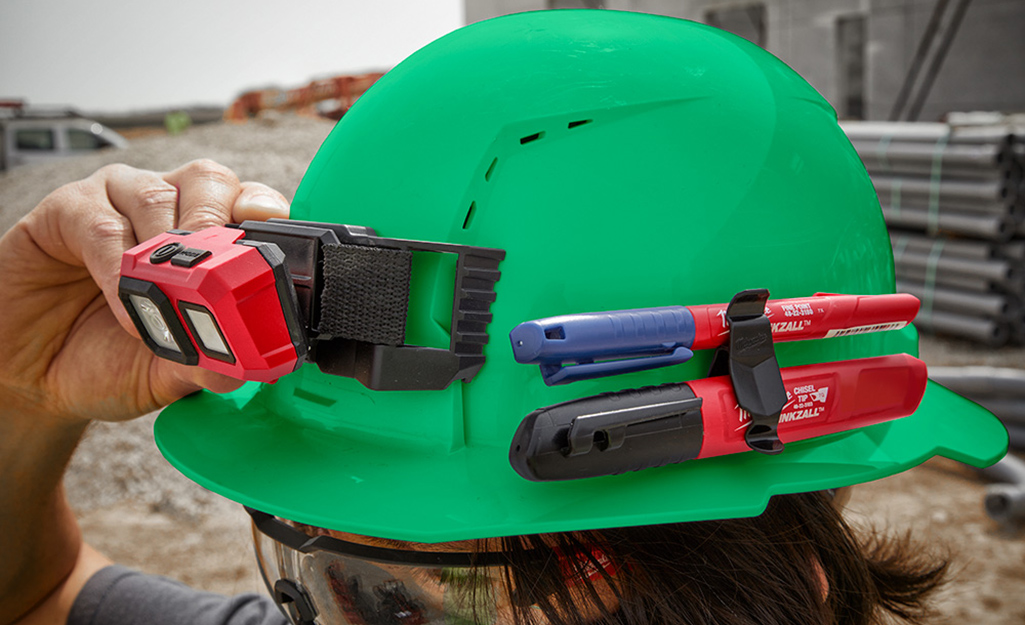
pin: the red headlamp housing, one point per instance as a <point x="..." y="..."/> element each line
<point x="214" y="299"/>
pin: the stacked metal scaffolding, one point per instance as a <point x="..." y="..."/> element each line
<point x="1002" y="392"/>
<point x="954" y="201"/>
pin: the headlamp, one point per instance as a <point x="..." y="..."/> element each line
<point x="256" y="300"/>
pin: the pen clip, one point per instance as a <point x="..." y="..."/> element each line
<point x="562" y="373"/>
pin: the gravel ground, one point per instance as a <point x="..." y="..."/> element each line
<point x="274" y="150"/>
<point x="136" y="508"/>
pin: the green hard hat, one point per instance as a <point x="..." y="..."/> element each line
<point x="622" y="161"/>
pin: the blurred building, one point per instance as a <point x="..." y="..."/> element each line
<point x="858" y="53"/>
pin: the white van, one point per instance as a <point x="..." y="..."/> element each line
<point x="27" y="140"/>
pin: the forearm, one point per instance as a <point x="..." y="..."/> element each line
<point x="68" y="353"/>
<point x="39" y="537"/>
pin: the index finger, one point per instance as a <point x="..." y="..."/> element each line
<point x="91" y="223"/>
<point x="206" y="194"/>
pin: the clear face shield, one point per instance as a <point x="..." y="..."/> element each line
<point x="326" y="580"/>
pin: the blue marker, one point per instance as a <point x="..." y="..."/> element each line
<point x="593" y="345"/>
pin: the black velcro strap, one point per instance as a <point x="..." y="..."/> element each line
<point x="366" y="293"/>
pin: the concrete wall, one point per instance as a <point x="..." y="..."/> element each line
<point x="984" y="68"/>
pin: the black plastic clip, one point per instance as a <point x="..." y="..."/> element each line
<point x="750" y="361"/>
<point x="295" y="602"/>
<point x="352" y="292"/>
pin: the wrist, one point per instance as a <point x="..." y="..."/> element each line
<point x="39" y="538"/>
<point x="35" y="409"/>
<point x="41" y="560"/>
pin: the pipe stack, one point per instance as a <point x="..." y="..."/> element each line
<point x="953" y="198"/>
<point x="1002" y="392"/>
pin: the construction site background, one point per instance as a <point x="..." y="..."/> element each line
<point x="141" y="512"/>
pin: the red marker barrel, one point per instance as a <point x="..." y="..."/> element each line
<point x="818" y="317"/>
<point x="821" y="399"/>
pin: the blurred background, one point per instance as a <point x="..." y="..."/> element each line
<point x="931" y="93"/>
<point x="857" y="53"/>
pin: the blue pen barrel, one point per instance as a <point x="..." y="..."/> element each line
<point x="588" y="337"/>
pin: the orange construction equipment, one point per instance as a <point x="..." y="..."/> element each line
<point x="344" y="90"/>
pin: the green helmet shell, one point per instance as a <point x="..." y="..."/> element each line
<point x="622" y="161"/>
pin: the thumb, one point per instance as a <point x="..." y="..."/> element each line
<point x="171" y="381"/>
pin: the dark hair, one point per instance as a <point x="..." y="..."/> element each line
<point x="765" y="570"/>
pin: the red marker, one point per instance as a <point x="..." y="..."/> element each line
<point x="822" y="316"/>
<point x="637" y="429"/>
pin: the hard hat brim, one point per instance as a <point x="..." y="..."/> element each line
<point x="236" y="446"/>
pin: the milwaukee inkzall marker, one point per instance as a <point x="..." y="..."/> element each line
<point x="636" y="429"/>
<point x="822" y="316"/>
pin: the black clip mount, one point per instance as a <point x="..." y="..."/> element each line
<point x="352" y="290"/>
<point x="750" y="361"/>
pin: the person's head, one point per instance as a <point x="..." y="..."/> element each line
<point x="619" y="161"/>
<point x="797" y="562"/>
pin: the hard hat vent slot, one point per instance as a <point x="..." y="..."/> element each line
<point x="579" y="122"/>
<point x="533" y="137"/>
<point x="469" y="214"/>
<point x="491" y="170"/>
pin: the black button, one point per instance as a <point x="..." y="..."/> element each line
<point x="164" y="253"/>
<point x="189" y="257"/>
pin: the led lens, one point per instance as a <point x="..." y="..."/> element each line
<point x="206" y="330"/>
<point x="154" y="322"/>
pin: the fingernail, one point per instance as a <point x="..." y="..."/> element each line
<point x="268" y="203"/>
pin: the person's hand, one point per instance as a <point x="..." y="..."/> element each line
<point x="67" y="347"/>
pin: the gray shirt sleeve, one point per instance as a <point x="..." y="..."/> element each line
<point x="120" y="596"/>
